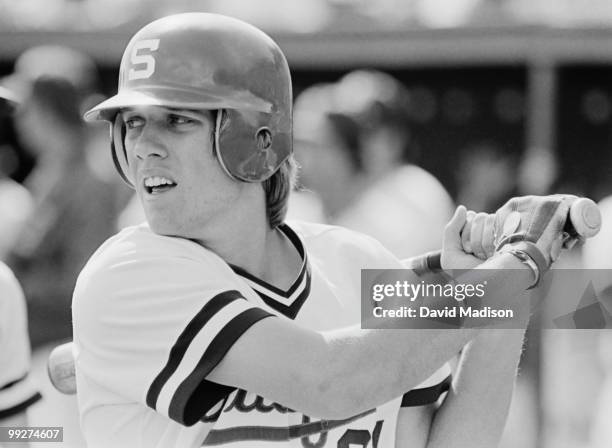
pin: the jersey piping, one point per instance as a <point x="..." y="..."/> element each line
<point x="289" y="302"/>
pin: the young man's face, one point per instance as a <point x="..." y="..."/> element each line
<point x="181" y="185"/>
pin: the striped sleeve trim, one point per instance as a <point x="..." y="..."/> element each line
<point x="6" y="413"/>
<point x="181" y="390"/>
<point x="17" y="396"/>
<point x="426" y="395"/>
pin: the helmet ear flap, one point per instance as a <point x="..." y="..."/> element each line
<point x="249" y="150"/>
<point x="117" y="131"/>
<point x="217" y="146"/>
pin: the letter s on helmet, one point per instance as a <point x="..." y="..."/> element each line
<point x="203" y="61"/>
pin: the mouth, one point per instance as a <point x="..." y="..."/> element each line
<point x="158" y="184"/>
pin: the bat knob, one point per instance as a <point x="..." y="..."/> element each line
<point x="60" y="368"/>
<point x="585" y="217"/>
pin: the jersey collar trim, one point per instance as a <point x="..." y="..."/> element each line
<point x="287" y="302"/>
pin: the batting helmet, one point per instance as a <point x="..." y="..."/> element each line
<point x="207" y="61"/>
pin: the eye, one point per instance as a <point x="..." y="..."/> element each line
<point x="133" y="122"/>
<point x="179" y="119"/>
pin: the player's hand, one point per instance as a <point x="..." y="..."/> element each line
<point x="478" y="235"/>
<point x="535" y="219"/>
<point x="454" y="254"/>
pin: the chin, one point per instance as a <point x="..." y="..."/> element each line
<point x="163" y="226"/>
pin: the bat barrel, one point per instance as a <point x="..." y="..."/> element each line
<point x="60" y="368"/>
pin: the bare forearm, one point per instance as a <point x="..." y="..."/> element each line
<point x="341" y="373"/>
<point x="416" y="354"/>
<point x="475" y="411"/>
<point x="387" y="364"/>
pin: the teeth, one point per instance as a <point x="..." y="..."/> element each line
<point x="156" y="181"/>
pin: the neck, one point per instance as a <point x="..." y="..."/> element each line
<point x="239" y="241"/>
<point x="247" y="241"/>
<point x="262" y="252"/>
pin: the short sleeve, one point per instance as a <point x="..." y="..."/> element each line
<point x="17" y="389"/>
<point x="151" y="326"/>
<point x="429" y="391"/>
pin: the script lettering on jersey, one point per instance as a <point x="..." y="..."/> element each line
<point x="141" y="56"/>
<point x="352" y="438"/>
<point x="240" y="404"/>
<point x="258" y="404"/>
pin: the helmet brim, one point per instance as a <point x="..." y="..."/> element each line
<point x="176" y="98"/>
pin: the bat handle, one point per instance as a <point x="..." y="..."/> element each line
<point x="426" y="263"/>
<point x="584" y="222"/>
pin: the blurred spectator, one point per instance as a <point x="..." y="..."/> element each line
<point x="486" y="177"/>
<point x="353" y="142"/>
<point x="538" y="173"/>
<point x="74" y="207"/>
<point x="596" y="255"/>
<point x="16" y="204"/>
<point x="15" y="200"/>
<point x="17" y="389"/>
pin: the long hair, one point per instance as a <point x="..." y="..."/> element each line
<point x="277" y="187"/>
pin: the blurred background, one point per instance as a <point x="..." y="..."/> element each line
<point x="503" y="97"/>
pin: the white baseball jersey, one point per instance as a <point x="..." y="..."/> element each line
<point x="17" y="391"/>
<point x="153" y="316"/>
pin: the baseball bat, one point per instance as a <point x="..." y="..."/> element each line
<point x="60" y="368"/>
<point x="583" y="221"/>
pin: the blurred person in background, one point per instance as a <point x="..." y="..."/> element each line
<point x="486" y="177"/>
<point x="354" y="145"/>
<point x="596" y="254"/>
<point x="15" y="200"/>
<point x="17" y="389"/>
<point x="74" y="205"/>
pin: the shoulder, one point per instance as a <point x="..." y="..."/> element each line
<point x="12" y="300"/>
<point x="137" y="265"/>
<point x="8" y="282"/>
<point x="11" y="293"/>
<point x="142" y="241"/>
<point x="340" y="243"/>
<point x="422" y="184"/>
<point x="315" y="233"/>
<point x="138" y="245"/>
<point x="413" y="174"/>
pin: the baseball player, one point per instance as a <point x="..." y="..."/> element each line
<point x="355" y="150"/>
<point x="17" y="391"/>
<point x="218" y="323"/>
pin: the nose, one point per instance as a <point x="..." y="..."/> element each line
<point x="150" y="143"/>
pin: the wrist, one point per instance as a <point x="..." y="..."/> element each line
<point x="508" y="261"/>
<point x="530" y="256"/>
